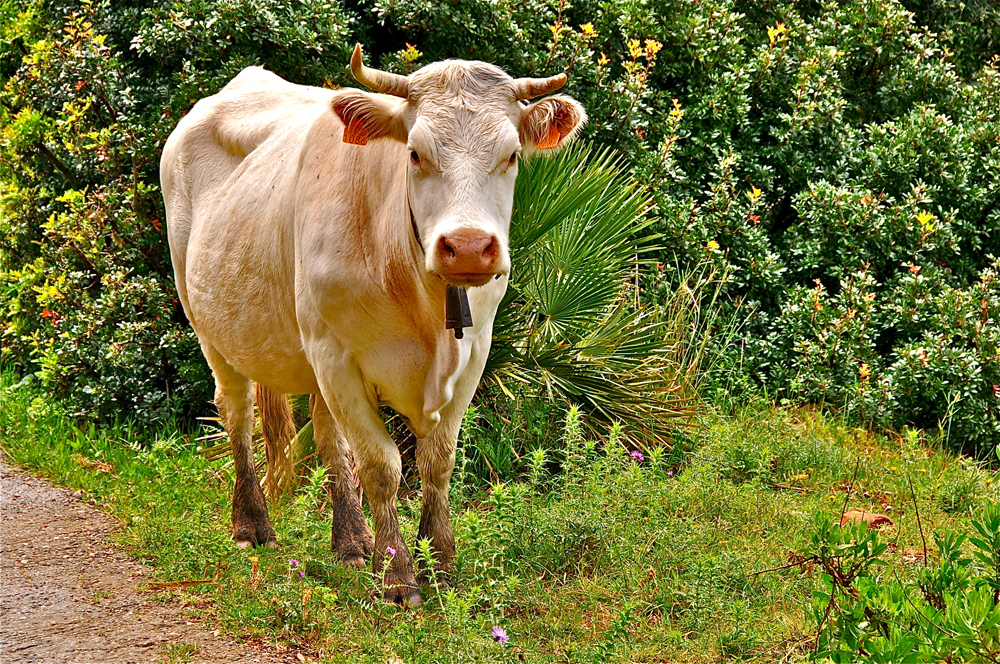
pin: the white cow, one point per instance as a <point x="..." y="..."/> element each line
<point x="313" y="234"/>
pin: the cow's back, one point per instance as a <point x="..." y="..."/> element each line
<point x="213" y="139"/>
<point x="228" y="173"/>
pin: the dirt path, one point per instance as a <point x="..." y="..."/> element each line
<point x="68" y="596"/>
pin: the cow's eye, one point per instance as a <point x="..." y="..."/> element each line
<point x="414" y="157"/>
<point x="512" y="160"/>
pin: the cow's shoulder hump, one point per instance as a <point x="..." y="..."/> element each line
<point x="252" y="107"/>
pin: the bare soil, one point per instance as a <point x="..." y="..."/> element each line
<point x="69" y="596"/>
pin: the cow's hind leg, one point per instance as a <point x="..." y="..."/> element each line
<point x="234" y="398"/>
<point x="352" y="539"/>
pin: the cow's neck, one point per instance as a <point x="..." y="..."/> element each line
<point x="396" y="257"/>
<point x="421" y="297"/>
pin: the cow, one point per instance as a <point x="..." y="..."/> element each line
<point x="316" y="236"/>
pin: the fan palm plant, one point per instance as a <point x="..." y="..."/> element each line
<point x="570" y="326"/>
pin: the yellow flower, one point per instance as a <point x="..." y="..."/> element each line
<point x="652" y="48"/>
<point x="775" y="33"/>
<point x="411" y="54"/>
<point x="603" y="60"/>
<point x="677" y="111"/>
<point x="587" y="29"/>
<point x="712" y="246"/>
<point x="633" y="48"/>
<point x="926" y="220"/>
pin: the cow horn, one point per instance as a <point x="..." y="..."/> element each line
<point x="527" y="88"/>
<point x="379" y="81"/>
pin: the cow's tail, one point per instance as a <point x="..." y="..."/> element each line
<point x="277" y="424"/>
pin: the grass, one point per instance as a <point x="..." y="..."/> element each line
<point x="612" y="561"/>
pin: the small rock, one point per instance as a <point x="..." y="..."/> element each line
<point x="873" y="520"/>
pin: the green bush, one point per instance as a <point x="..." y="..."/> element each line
<point x="839" y="162"/>
<point x="90" y="93"/>
<point x="949" y="611"/>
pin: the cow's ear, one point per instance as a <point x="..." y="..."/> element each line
<point x="367" y="117"/>
<point x="551" y="122"/>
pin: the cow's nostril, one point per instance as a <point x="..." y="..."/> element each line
<point x="447" y="249"/>
<point x="468" y="251"/>
<point x="491" y="249"/>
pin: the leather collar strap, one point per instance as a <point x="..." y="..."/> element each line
<point x="413" y="226"/>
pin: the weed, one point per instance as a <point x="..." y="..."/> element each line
<point x="627" y="562"/>
<point x="949" y="611"/>
<point x="177" y="653"/>
<point x="962" y="487"/>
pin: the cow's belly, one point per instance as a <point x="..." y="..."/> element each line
<point x="267" y="358"/>
<point x="246" y="312"/>
<point x="256" y="341"/>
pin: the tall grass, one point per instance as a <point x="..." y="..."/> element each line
<point x="617" y="559"/>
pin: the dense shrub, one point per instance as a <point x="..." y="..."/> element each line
<point x="840" y="162"/>
<point x="90" y="95"/>
<point x="949" y="612"/>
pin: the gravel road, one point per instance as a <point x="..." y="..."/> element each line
<point x="69" y="596"/>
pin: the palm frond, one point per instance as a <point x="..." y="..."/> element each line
<point x="566" y="327"/>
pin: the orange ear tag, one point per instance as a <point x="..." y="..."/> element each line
<point x="551" y="140"/>
<point x="356" y="133"/>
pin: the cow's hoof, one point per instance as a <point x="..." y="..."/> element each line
<point x="354" y="562"/>
<point x="255" y="536"/>
<point x="402" y="595"/>
<point x="441" y="574"/>
<point x="351" y="541"/>
<point x="368" y="543"/>
<point x="441" y="580"/>
<point x="354" y="553"/>
<point x="272" y="543"/>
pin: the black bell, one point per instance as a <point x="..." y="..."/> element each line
<point x="457" y="313"/>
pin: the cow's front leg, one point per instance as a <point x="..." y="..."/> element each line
<point x="436" y="459"/>
<point x="354" y="407"/>
<point x="352" y="539"/>
<point x="380" y="466"/>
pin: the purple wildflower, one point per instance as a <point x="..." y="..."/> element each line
<point x="637" y="455"/>
<point x="500" y="634"/>
<point x="294" y="563"/>
<point x="302" y="575"/>
<point x="391" y="551"/>
<point x="670" y="473"/>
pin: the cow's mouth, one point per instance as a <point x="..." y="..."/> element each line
<point x="469" y="279"/>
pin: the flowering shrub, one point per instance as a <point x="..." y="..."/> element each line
<point x="846" y="174"/>
<point x="840" y="162"/>
<point x="89" y="95"/>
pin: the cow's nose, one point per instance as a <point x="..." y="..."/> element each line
<point x="468" y="252"/>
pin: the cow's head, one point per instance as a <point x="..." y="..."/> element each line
<point x="465" y="126"/>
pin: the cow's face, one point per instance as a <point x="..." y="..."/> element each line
<point x="465" y="130"/>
